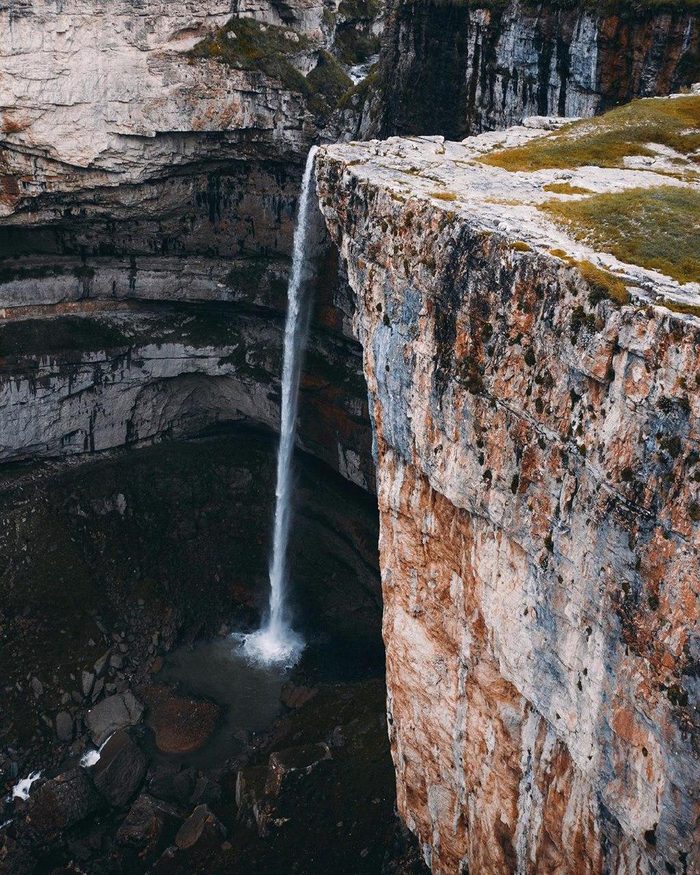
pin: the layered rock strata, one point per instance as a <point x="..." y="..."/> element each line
<point x="538" y="480"/>
<point x="103" y="95"/>
<point x="125" y="375"/>
<point x="137" y="166"/>
<point x="460" y="68"/>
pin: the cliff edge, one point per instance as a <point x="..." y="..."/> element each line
<point x="528" y="306"/>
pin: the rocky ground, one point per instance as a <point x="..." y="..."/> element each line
<point x="112" y="563"/>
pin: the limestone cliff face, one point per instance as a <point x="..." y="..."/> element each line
<point x="132" y="170"/>
<point x="537" y="459"/>
<point x="103" y="94"/>
<point x="459" y="68"/>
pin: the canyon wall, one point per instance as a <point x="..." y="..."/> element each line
<point x="147" y="197"/>
<point x="456" y="68"/>
<point x="538" y="456"/>
<point x="151" y="153"/>
<point x="538" y="479"/>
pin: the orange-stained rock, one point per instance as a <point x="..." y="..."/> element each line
<point x="539" y="493"/>
<point x="181" y="725"/>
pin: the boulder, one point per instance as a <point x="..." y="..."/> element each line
<point x="101" y="664"/>
<point x="120" y="769"/>
<point x="250" y="789"/>
<point x="97" y="689"/>
<point x="87" y="679"/>
<point x="37" y="687"/>
<point x="148" y="828"/>
<point x="111" y="714"/>
<point x="116" y="661"/>
<point x="181" y="725"/>
<point x="199" y="847"/>
<point x="169" y="781"/>
<point x="64" y="726"/>
<point x="202" y="830"/>
<point x="62" y="802"/>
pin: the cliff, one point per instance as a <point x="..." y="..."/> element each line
<point x="536" y="417"/>
<point x="152" y="153"/>
<point x="455" y="68"/>
<point x="150" y="156"/>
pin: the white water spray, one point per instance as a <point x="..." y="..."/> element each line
<point x="276" y="641"/>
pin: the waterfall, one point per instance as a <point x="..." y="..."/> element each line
<point x="275" y="641"/>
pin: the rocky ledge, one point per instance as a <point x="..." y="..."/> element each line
<point x="532" y="360"/>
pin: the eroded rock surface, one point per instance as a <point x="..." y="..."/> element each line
<point x="184" y="189"/>
<point x="537" y="454"/>
<point x="460" y="68"/>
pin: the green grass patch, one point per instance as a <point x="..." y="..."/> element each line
<point x="360" y="9"/>
<point x="565" y="188"/>
<point x="656" y="228"/>
<point x="327" y="83"/>
<point x="606" y="140"/>
<point x="354" y="40"/>
<point x="355" y="47"/>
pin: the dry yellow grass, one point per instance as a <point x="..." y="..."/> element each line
<point x="606" y="140"/>
<point x="565" y="188"/>
<point x="657" y="228"/>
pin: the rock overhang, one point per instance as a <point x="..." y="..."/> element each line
<point x="536" y="431"/>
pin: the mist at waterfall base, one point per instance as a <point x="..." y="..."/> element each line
<point x="275" y="642"/>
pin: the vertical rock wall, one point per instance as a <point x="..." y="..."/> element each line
<point x="538" y="492"/>
<point x="458" y="68"/>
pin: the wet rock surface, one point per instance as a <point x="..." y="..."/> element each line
<point x="180" y="724"/>
<point x="60" y="803"/>
<point x="118" y="773"/>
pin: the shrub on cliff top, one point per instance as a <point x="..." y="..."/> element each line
<point x="606" y="140"/>
<point x="603" y="284"/>
<point x="656" y="228"/>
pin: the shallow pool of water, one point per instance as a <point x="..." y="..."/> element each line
<point x="248" y="694"/>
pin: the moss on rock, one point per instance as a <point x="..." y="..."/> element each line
<point x="250" y="45"/>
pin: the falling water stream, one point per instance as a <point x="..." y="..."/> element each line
<point x="275" y="641"/>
